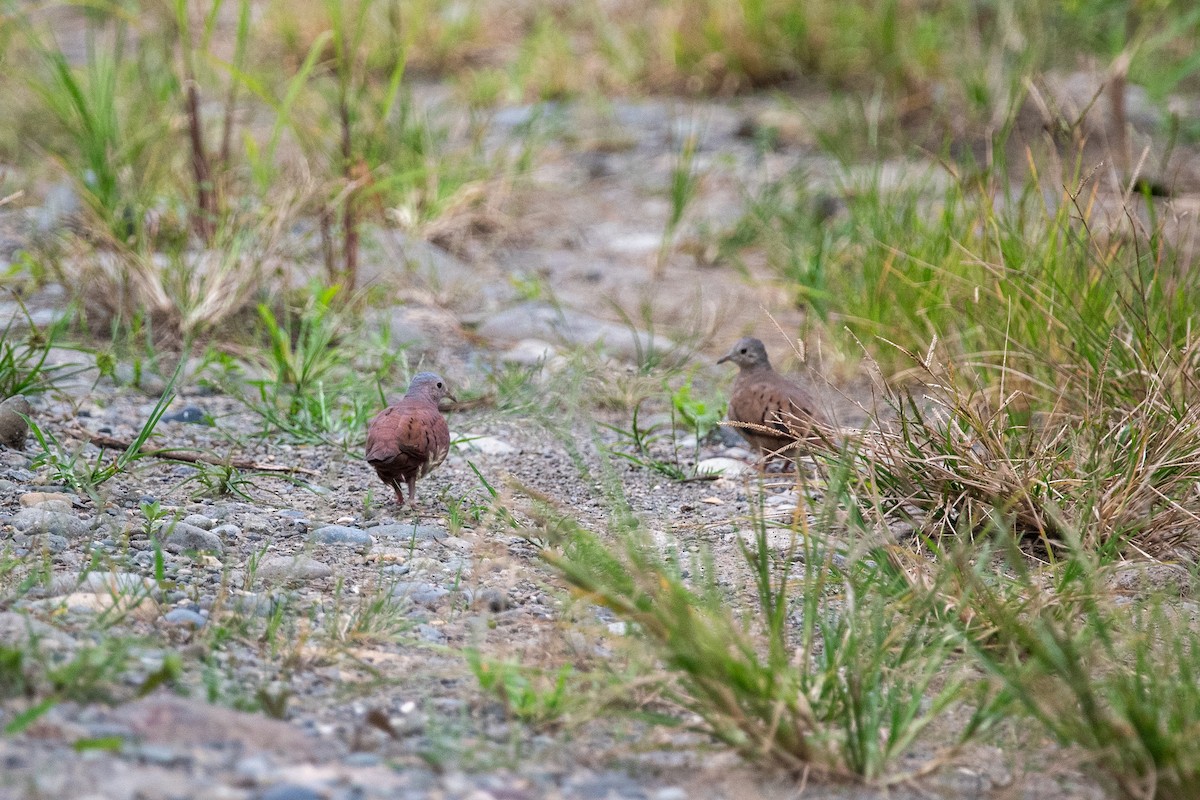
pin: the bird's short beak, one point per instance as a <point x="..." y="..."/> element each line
<point x="451" y="398"/>
<point x="724" y="358"/>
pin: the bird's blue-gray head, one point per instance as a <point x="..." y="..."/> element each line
<point x="429" y="385"/>
<point x="747" y="353"/>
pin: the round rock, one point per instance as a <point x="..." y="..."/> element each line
<point x="186" y="537"/>
<point x="34" y="521"/>
<point x="199" y="520"/>
<point x="57" y="501"/>
<point x="404" y="532"/>
<point x="184" y="618"/>
<point x="426" y="594"/>
<point x="289" y="791"/>
<point x="13" y="428"/>
<point x="342" y="535"/>
<point x="292" y="569"/>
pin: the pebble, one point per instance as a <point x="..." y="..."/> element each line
<point x="488" y="445"/>
<point x="343" y="535"/>
<point x="289" y="791"/>
<point x="185" y="618"/>
<point x="162" y="756"/>
<point x="604" y="786"/>
<point x="199" y="520"/>
<point x="362" y="760"/>
<point x="228" y="532"/>
<point x="186" y="537"/>
<point x="289" y="569"/>
<point x="190" y="414"/>
<point x="725" y="467"/>
<point x="52" y="501"/>
<point x="408" y="532"/>
<point x="17" y="629"/>
<point x="14" y="429"/>
<point x="529" y="353"/>
<point x="431" y="634"/>
<point x="51" y="542"/>
<point x="101" y="583"/>
<point x="671" y="793"/>
<point x="59" y="523"/>
<point x="426" y="594"/>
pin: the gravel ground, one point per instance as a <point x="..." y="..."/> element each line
<point x="349" y="619"/>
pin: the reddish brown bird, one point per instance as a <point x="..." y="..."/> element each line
<point x="409" y="439"/>
<point x="774" y="412"/>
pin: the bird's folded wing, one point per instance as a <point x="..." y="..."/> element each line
<point x="405" y="435"/>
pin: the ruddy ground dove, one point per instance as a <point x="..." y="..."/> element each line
<point x="773" y="412"/>
<point x="409" y="439"/>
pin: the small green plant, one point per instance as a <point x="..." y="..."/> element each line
<point x="537" y="697"/>
<point x="69" y="466"/>
<point x="92" y="673"/>
<point x="1117" y="681"/>
<point x="23" y="367"/>
<point x="313" y="393"/>
<point x="701" y="416"/>
<point x="461" y="511"/>
<point x="836" y="679"/>
<point x="642" y="441"/>
<point x="682" y="191"/>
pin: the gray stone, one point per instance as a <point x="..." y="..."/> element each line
<point x="289" y="791"/>
<point x="342" y="535"/>
<point x="529" y="353"/>
<point x="549" y="323"/>
<point x="361" y="759"/>
<point x="431" y="634"/>
<point x="16" y="630"/>
<point x="162" y="756"/>
<point x="185" y="618"/>
<point x="228" y="532"/>
<point x="34" y="521"/>
<point x="189" y="414"/>
<point x="405" y="532"/>
<point x="603" y="786"/>
<point x="292" y="569"/>
<point x="199" y="520"/>
<point x="102" y="583"/>
<point x="49" y="541"/>
<point x="426" y="594"/>
<point x="184" y="537"/>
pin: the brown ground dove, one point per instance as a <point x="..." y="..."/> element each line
<point x="407" y="440"/>
<point x="776" y="412"/>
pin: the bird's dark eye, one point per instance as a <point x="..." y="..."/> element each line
<point x="744" y="351"/>
<point x="440" y="385"/>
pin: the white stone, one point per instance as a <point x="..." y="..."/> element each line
<point x="488" y="445"/>
<point x="725" y="467"/>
